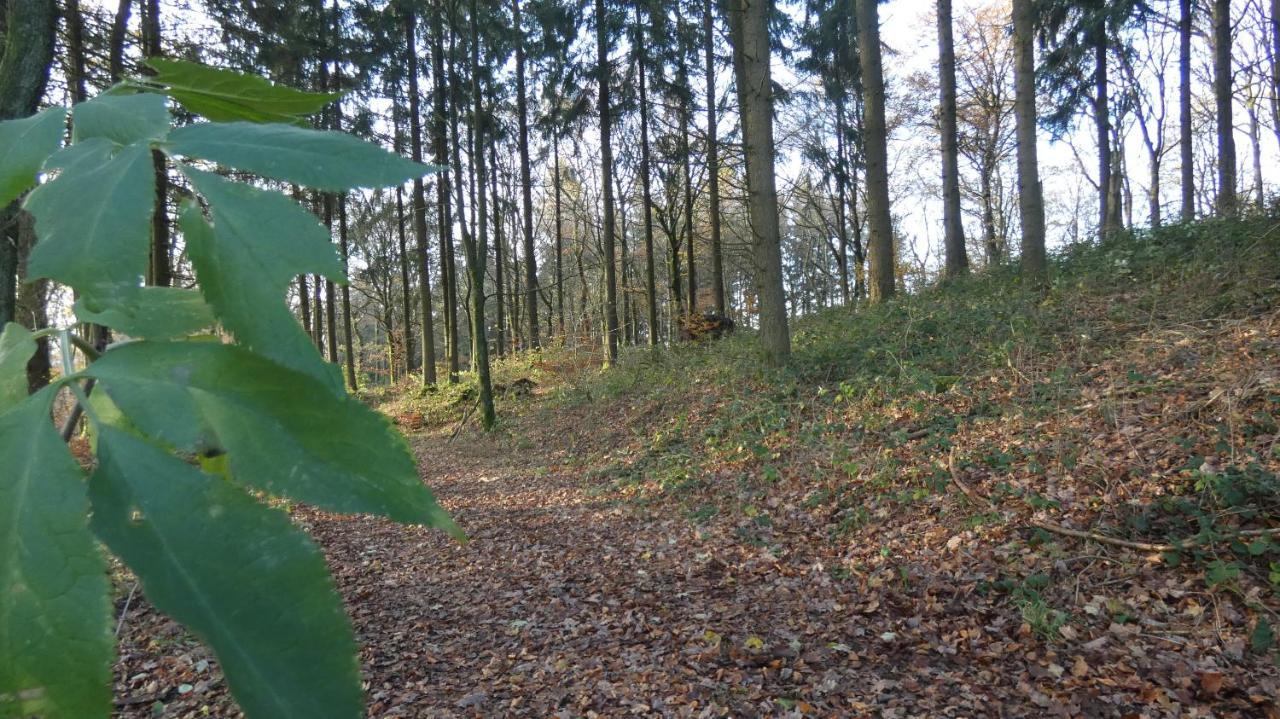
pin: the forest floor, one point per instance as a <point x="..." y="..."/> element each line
<point x="899" y="525"/>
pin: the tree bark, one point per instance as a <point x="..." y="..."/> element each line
<point x="1255" y="139"/>
<point x="119" y="28"/>
<point x="1185" y="140"/>
<point x="1222" y="101"/>
<point x="30" y="33"/>
<point x="499" y="261"/>
<point x="1108" y="208"/>
<point x="406" y="326"/>
<point x="713" y="163"/>
<point x="76" y="85"/>
<point x="420" y="209"/>
<point x="957" y="257"/>
<point x="526" y="185"/>
<point x="478" y="247"/>
<point x="161" y="273"/>
<point x="555" y="180"/>
<point x="686" y="119"/>
<point x="444" y="212"/>
<point x="650" y="276"/>
<point x="749" y="32"/>
<point x="606" y="178"/>
<point x="1030" y="193"/>
<point x="879" y="220"/>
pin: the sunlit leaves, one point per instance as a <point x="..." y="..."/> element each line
<point x="226" y="96"/>
<point x="283" y="432"/>
<point x="24" y="146"/>
<point x="55" y="646"/>
<point x="320" y="159"/>
<point x="258" y="242"/>
<point x="234" y="571"/>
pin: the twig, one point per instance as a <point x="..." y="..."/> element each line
<point x="1145" y="546"/>
<point x="69" y="427"/>
<point x="463" y="423"/>
<point x="968" y="491"/>
<point x="125" y="610"/>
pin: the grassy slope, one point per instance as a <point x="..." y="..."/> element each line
<point x="911" y="449"/>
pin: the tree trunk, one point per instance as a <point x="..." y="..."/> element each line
<point x="444" y="213"/>
<point x="30" y="33"/>
<point x="1153" y="195"/>
<point x="879" y="220"/>
<point x="119" y="28"/>
<point x="713" y="163"/>
<point x="76" y="86"/>
<point x="1255" y="138"/>
<point x="420" y="208"/>
<point x="1030" y="193"/>
<point x="317" y="312"/>
<point x="1185" y="140"/>
<point x="347" y="328"/>
<point x="957" y="258"/>
<point x="606" y="178"/>
<point x="749" y="31"/>
<point x="555" y="180"/>
<point x="526" y="185"/>
<point x="1275" y="67"/>
<point x="304" y="305"/>
<point x="1108" y="210"/>
<point x="406" y="327"/>
<point x="500" y="260"/>
<point x="842" y="202"/>
<point x="161" y="273"/>
<point x="477" y="250"/>
<point x="343" y="245"/>
<point x="650" y="276"/>
<point x="686" y="119"/>
<point x="1222" y="101"/>
<point x="989" y="242"/>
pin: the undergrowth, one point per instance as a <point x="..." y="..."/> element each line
<point x="881" y="406"/>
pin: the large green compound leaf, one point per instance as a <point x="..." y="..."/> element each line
<point x="322" y="159"/>
<point x="16" y="347"/>
<point x="55" y="638"/>
<point x="148" y="312"/>
<point x="122" y="119"/>
<point x="227" y="96"/>
<point x="24" y="146"/>
<point x="93" y="221"/>
<point x="235" y="572"/>
<point x="258" y="243"/>
<point x="282" y="431"/>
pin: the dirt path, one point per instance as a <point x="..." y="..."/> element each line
<point x="568" y="602"/>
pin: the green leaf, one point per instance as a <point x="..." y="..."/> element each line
<point x="284" y="433"/>
<point x="258" y="243"/>
<point x="16" y="348"/>
<point x="93" y="221"/>
<point x="122" y="119"/>
<point x="1262" y="638"/>
<point x="226" y="96"/>
<point x="24" y="146"/>
<point x="55" y="640"/>
<point x="238" y="574"/>
<point x="158" y="313"/>
<point x="321" y="159"/>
